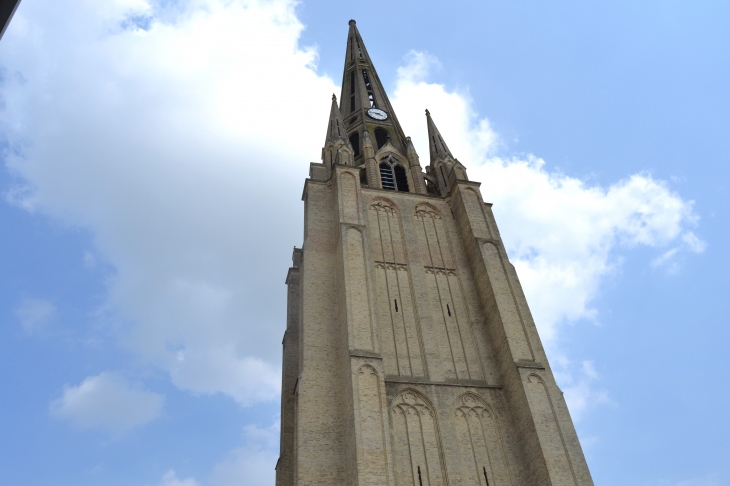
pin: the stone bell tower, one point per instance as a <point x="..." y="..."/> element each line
<point x="410" y="354"/>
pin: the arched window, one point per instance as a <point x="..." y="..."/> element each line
<point x="355" y="142"/>
<point x="381" y="137"/>
<point x="386" y="176"/>
<point x="401" y="179"/>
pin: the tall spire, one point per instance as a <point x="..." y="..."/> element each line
<point x="336" y="127"/>
<point x="363" y="102"/>
<point x="436" y="145"/>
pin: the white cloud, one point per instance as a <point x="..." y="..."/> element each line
<point x="35" y="315"/>
<point x="171" y="479"/>
<point x="107" y="401"/>
<point x="561" y="233"/>
<point x="467" y="136"/>
<point x="254" y="462"/>
<point x="579" y="387"/>
<point x="171" y="139"/>
<point x="89" y="260"/>
<point x="711" y="480"/>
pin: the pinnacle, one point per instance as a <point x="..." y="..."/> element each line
<point x="336" y="126"/>
<point x="437" y="146"/>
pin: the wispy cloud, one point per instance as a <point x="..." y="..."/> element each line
<point x="255" y="460"/>
<point x="36" y="315"/>
<point x="171" y="479"/>
<point x="109" y="402"/>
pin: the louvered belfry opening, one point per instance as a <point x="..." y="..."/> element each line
<point x="386" y="176"/>
<point x="401" y="179"/>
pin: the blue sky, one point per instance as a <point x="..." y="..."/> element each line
<point x="141" y="316"/>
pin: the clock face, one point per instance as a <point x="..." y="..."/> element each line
<point x="377" y="113"/>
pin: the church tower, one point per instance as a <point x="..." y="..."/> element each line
<point x="410" y="354"/>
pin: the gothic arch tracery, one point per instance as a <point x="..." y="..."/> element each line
<point x="480" y="440"/>
<point x="416" y="442"/>
<point x="426" y="210"/>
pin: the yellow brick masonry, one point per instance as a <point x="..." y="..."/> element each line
<point x="411" y="356"/>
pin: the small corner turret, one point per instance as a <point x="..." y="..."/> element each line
<point x="444" y="169"/>
<point x="337" y="149"/>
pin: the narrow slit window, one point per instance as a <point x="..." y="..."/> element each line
<point x="443" y="174"/>
<point x="352" y="82"/>
<point x="338" y="128"/>
<point x="381" y="137"/>
<point x="355" y="142"/>
<point x="396" y="304"/>
<point x="352" y="103"/>
<point x="386" y="176"/>
<point x="443" y="145"/>
<point x="371" y="97"/>
<point x="420" y="481"/>
<point x="359" y="50"/>
<point x="366" y="78"/>
<point x="485" y="475"/>
<point x="401" y="179"/>
<point x="448" y="309"/>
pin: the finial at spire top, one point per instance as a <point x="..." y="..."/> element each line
<point x="352" y="22"/>
<point x="427" y="112"/>
<point x="334" y="98"/>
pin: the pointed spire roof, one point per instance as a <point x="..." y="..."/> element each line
<point x="364" y="102"/>
<point x="335" y="127"/>
<point x="436" y="145"/>
<point x="355" y="46"/>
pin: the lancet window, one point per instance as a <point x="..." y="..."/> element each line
<point x="369" y="88"/>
